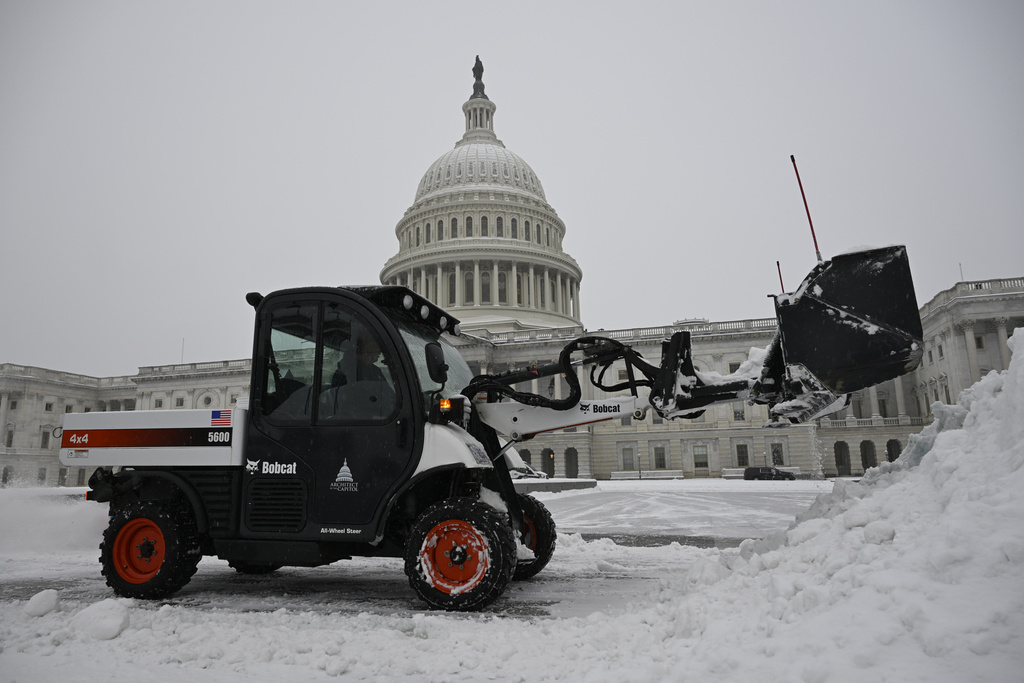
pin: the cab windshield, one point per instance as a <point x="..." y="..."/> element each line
<point x="416" y="338"/>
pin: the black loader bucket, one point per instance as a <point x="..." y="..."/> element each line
<point x="852" y="323"/>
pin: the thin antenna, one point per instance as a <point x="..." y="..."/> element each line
<point x="182" y="350"/>
<point x="780" y="277"/>
<point x="961" y="272"/>
<point x="817" y="252"/>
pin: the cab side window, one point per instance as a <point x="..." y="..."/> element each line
<point x="290" y="363"/>
<point x="358" y="379"/>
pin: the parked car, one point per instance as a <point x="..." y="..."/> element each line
<point x="766" y="473"/>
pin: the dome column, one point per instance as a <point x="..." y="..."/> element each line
<point x="476" y="283"/>
<point x="547" y="290"/>
<point x="438" y="298"/>
<point x="514" y="295"/>
<point x="531" y="295"/>
<point x="561" y="293"/>
<point x="460" y="300"/>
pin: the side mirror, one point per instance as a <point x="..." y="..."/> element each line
<point x="436" y="367"/>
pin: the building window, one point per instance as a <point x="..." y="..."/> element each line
<point x="44" y="442"/>
<point x="502" y="287"/>
<point x="14" y="405"/>
<point x="49" y="407"/>
<point x="469" y="226"/>
<point x="41" y="477"/>
<point x="742" y="455"/>
<point x="941" y="354"/>
<point x="62" y="477"/>
<point x="777" y="454"/>
<point x="451" y="289"/>
<point x="483" y="226"/>
<point x="469" y="285"/>
<point x="499" y="227"/>
<point x="9" y="438"/>
<point x="158" y="403"/>
<point x="626" y="421"/>
<point x="883" y="407"/>
<point x="659" y="457"/>
<point x="179" y="403"/>
<point x="455" y="227"/>
<point x="980" y="343"/>
<point x="930" y="358"/>
<point x="515" y="229"/>
<point x="946" y="390"/>
<point x="700" y="457"/>
<point x="734" y="367"/>
<point x="234" y="399"/>
<point x="525" y="455"/>
<point x="494" y="169"/>
<point x="69" y="408"/>
<point x="458" y="171"/>
<point x="440" y="230"/>
<point x="628" y="462"/>
<point x="538" y="233"/>
<point x="81" y="477"/>
<point x="207" y="400"/>
<point x="426" y="234"/>
<point x="893" y="448"/>
<point x="417" y="235"/>
<point x="470" y="168"/>
<point x="867" y="455"/>
<point x="485" y="287"/>
<point x="656" y="419"/>
<point x="87" y="409"/>
<point x="526" y="230"/>
<point x="739" y="413"/>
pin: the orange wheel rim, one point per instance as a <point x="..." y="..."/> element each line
<point x="139" y="550"/>
<point x="529" y="533"/>
<point x="454" y="556"/>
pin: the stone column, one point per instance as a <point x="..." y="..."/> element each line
<point x="495" y="299"/>
<point x="460" y="299"/>
<point x="438" y="299"/>
<point x="476" y="283"/>
<point x="531" y="297"/>
<point x="547" y="290"/>
<point x="576" y="290"/>
<point x="1004" y="348"/>
<point x="559" y="303"/>
<point x="901" y="401"/>
<point x="514" y="293"/>
<point x="967" y="326"/>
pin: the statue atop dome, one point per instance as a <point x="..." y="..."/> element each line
<point x="478" y="85"/>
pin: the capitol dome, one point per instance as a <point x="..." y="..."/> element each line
<point x="481" y="240"/>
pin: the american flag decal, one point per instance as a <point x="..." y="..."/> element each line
<point x="220" y="418"/>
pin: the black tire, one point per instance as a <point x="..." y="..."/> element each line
<point x="460" y="555"/>
<point x="150" y="549"/>
<point x="243" y="567"/>
<point x="539" y="537"/>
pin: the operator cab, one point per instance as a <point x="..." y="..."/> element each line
<point x="341" y="377"/>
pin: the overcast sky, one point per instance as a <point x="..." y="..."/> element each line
<point x="158" y="160"/>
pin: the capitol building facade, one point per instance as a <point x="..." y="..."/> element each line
<point x="481" y="240"/>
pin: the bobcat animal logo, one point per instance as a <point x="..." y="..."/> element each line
<point x="251" y="466"/>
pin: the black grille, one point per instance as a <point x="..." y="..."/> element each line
<point x="216" y="489"/>
<point x="276" y="505"/>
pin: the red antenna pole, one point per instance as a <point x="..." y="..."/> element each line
<point x="817" y="252"/>
<point x="780" y="277"/>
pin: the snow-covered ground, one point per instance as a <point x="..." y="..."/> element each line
<point x="915" y="573"/>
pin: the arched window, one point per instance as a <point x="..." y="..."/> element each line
<point x="483" y="226"/>
<point x="502" y="289"/>
<point x="451" y="289"/>
<point x="867" y="455"/>
<point x="426" y="233"/>
<point x="499" y="227"/>
<point x="572" y="463"/>
<point x="494" y="169"/>
<point x="485" y="288"/>
<point x="515" y="230"/>
<point x="468" y="278"/>
<point x="455" y="227"/>
<point x="547" y="236"/>
<point x="893" y="448"/>
<point x="842" y="452"/>
<point x="526" y="230"/>
<point x="548" y="461"/>
<point x="538" y="233"/>
<point x="469" y="226"/>
<point x="417" y="235"/>
<point x="524" y="453"/>
<point x="458" y="171"/>
<point x="440" y="230"/>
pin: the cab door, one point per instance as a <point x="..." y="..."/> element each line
<point x="333" y="396"/>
